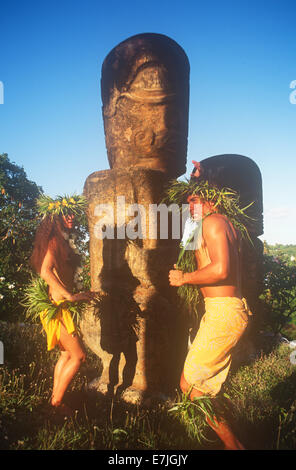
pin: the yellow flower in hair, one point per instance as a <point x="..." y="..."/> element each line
<point x="63" y="204"/>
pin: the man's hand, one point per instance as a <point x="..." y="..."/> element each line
<point x="198" y="169"/>
<point x="176" y="277"/>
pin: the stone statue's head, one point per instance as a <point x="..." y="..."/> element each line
<point x="145" y="94"/>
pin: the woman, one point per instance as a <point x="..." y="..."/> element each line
<point x="55" y="260"/>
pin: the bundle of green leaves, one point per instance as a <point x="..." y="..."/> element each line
<point x="36" y="300"/>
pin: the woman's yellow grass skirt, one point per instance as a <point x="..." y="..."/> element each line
<point x="53" y="327"/>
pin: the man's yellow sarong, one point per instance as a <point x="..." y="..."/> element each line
<point x="209" y="358"/>
<point x="53" y="327"/>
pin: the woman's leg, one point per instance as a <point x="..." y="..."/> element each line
<point x="67" y="368"/>
<point x="64" y="357"/>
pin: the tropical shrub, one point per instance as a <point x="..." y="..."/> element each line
<point x="279" y="294"/>
<point x="18" y="222"/>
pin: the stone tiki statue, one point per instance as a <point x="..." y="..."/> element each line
<point x="136" y="329"/>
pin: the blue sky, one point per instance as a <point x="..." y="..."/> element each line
<point x="242" y="58"/>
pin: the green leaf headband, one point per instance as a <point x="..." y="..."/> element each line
<point x="62" y="205"/>
<point x="226" y="199"/>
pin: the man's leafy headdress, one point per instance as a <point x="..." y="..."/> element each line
<point x="225" y="200"/>
<point x="62" y="205"/>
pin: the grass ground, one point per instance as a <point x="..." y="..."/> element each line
<point x="262" y="393"/>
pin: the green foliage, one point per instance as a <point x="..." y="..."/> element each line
<point x="189" y="295"/>
<point x="226" y="200"/>
<point x="262" y="397"/>
<point x="263" y="401"/>
<point x="279" y="294"/>
<point x="15" y="185"/>
<point x="36" y="300"/>
<point x="18" y="222"/>
<point x="85" y="266"/>
<point x="194" y="415"/>
<point x="286" y="253"/>
<point x="62" y="205"/>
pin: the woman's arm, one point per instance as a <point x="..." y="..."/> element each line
<point x="47" y="273"/>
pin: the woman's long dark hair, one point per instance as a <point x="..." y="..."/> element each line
<point x="50" y="234"/>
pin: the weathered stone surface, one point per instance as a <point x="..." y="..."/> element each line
<point x="145" y="95"/>
<point x="137" y="330"/>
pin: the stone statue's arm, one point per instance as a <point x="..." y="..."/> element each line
<point x="215" y="236"/>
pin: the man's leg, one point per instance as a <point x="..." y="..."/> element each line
<point x="221" y="428"/>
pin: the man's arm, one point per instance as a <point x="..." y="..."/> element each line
<point x="215" y="237"/>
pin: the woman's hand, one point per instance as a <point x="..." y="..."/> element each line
<point x="81" y="297"/>
<point x="176" y="277"/>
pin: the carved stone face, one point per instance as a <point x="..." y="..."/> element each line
<point x="146" y="116"/>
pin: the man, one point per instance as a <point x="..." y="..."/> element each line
<point x="226" y="314"/>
